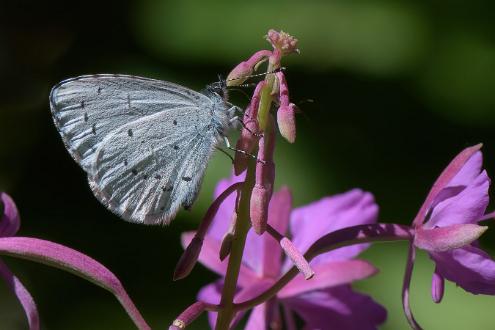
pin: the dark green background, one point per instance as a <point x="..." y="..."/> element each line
<point x="399" y="87"/>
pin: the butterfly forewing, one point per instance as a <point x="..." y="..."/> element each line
<point x="88" y="108"/>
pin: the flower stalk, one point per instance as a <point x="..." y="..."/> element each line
<point x="242" y="226"/>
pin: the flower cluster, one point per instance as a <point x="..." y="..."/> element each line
<point x="249" y="228"/>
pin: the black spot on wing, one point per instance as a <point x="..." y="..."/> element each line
<point x="93" y="129"/>
<point x="175" y="122"/>
<point x="130" y="133"/>
<point x="176" y="147"/>
<point x="86" y="118"/>
<point x="186" y="178"/>
<point x="134" y="171"/>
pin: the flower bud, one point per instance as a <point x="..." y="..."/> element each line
<point x="244" y="69"/>
<point x="187" y="316"/>
<point x="287" y="122"/>
<point x="226" y="245"/>
<point x="188" y="259"/>
<point x="239" y="74"/>
<point x="260" y="200"/>
<point x="437" y="286"/>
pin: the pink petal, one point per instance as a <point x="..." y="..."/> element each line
<point x="469" y="267"/>
<point x="75" y="262"/>
<point x="454" y="167"/>
<point x="469" y="171"/>
<point x="329" y="214"/>
<point x="263" y="253"/>
<point x="221" y="221"/>
<point x="211" y="294"/>
<point x="22" y="294"/>
<point x="9" y="221"/>
<point x="447" y="238"/>
<point x="209" y="257"/>
<point x="337" y="308"/>
<point x="467" y="206"/>
<point x="259" y="318"/>
<point x="330" y="274"/>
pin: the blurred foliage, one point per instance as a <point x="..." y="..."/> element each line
<point x="399" y="87"/>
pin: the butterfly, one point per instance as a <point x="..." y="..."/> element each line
<point x="144" y="143"/>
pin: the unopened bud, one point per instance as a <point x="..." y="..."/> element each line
<point x="187" y="316"/>
<point x="239" y="74"/>
<point x="286" y="121"/>
<point x="226" y="245"/>
<point x="188" y="259"/>
<point x="437" y="286"/>
<point x="244" y="69"/>
<point x="260" y="200"/>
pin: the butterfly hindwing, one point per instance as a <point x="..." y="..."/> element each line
<point x="147" y="175"/>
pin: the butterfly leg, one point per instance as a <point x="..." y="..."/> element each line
<point x="258" y="135"/>
<point x="227" y="143"/>
<point x="226" y="153"/>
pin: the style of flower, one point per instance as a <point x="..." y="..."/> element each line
<point x="54" y="255"/>
<point x="447" y="228"/>
<point x="324" y="301"/>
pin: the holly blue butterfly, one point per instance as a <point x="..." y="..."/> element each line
<point x="144" y="143"/>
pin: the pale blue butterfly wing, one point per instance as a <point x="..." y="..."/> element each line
<point x="144" y="143"/>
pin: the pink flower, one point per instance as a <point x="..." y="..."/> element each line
<point x="325" y="299"/>
<point x="447" y="226"/>
<point x="55" y="255"/>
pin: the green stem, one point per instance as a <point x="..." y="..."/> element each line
<point x="242" y="226"/>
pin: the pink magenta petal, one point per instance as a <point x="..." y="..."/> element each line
<point x="212" y="294"/>
<point x="258" y="319"/>
<point x="221" y="221"/>
<point x="329" y="214"/>
<point x="443" y="180"/>
<point x="469" y="267"/>
<point x="329" y="275"/>
<point x="447" y="238"/>
<point x="337" y="308"/>
<point x="209" y="257"/>
<point x="9" y="221"/>
<point x="466" y="206"/>
<point x="75" y="262"/>
<point x="22" y="294"/>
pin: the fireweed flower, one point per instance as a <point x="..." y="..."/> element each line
<point x="446" y="227"/>
<point x="55" y="255"/>
<point x="327" y="299"/>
